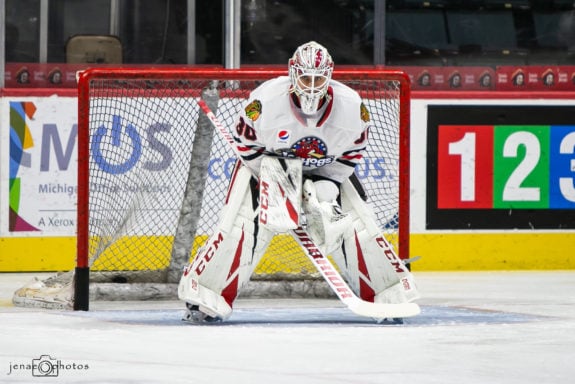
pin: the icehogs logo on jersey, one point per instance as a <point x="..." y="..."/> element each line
<point x="254" y="110"/>
<point x="313" y="152"/>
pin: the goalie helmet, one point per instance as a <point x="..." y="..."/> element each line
<point x="310" y="70"/>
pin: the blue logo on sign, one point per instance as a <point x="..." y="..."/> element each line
<point x="116" y="136"/>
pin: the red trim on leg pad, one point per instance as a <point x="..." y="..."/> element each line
<point x="365" y="291"/>
<point x="230" y="292"/>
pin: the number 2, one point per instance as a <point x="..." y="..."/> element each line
<point x="513" y="191"/>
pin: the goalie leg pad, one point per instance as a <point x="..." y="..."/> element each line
<point x="226" y="262"/>
<point x="367" y="260"/>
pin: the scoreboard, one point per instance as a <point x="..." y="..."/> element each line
<point x="506" y="166"/>
<point x="500" y="167"/>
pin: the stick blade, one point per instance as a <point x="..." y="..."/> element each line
<point x="384" y="310"/>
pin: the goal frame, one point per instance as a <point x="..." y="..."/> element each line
<point x="82" y="269"/>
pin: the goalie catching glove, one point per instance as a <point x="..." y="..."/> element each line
<point x="325" y="221"/>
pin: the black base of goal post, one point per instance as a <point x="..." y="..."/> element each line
<point x="82" y="289"/>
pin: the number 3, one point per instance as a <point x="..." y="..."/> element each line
<point x="566" y="183"/>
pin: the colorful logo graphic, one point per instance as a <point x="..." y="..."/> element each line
<point x="283" y="136"/>
<point x="313" y="150"/>
<point x="20" y="141"/>
<point x="310" y="147"/>
<point x="364" y="113"/>
<point x="254" y="110"/>
<point x="116" y="135"/>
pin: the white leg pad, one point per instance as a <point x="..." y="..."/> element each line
<point x="367" y="260"/>
<point x="226" y="262"/>
<point x="209" y="301"/>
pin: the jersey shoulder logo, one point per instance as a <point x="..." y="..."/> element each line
<point x="254" y="110"/>
<point x="364" y="113"/>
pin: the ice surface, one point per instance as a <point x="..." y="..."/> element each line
<point x="499" y="327"/>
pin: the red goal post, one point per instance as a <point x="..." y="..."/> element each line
<point x="116" y="104"/>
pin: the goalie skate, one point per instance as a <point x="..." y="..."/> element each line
<point x="195" y="315"/>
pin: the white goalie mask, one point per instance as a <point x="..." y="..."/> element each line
<point x="310" y="70"/>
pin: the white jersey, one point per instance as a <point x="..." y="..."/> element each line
<point x="330" y="142"/>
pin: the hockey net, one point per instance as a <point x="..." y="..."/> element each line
<point x="153" y="175"/>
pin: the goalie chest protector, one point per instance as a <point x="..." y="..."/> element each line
<point x="335" y="132"/>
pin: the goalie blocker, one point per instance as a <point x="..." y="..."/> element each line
<point x="213" y="280"/>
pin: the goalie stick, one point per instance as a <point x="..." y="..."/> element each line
<point x="330" y="274"/>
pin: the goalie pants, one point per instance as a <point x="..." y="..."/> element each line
<point x="227" y="260"/>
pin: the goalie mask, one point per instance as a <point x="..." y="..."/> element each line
<point x="310" y="71"/>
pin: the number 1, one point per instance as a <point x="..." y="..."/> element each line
<point x="466" y="149"/>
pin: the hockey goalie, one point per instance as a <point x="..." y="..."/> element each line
<point x="299" y="139"/>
